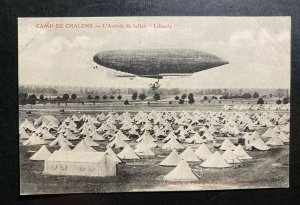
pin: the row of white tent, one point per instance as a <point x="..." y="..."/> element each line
<point x="181" y="172"/>
<point x="161" y="118"/>
<point x="108" y="127"/>
<point x="247" y="107"/>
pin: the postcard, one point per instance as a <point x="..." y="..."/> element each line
<point x="147" y="104"/>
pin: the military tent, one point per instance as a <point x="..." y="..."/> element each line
<point x="82" y="146"/>
<point x="128" y="153"/>
<point x="230" y="158"/>
<point x="42" y="154"/>
<point x="182" y="172"/>
<point x="215" y="161"/>
<point x="203" y="152"/>
<point x="172" y="159"/>
<point x="241" y="153"/>
<point x="188" y="155"/>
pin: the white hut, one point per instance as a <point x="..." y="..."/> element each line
<point x="98" y="164"/>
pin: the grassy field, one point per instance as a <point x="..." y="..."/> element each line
<point x="267" y="169"/>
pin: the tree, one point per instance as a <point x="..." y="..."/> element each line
<point x="246" y="95"/>
<point x="226" y="96"/>
<point x="33" y="96"/>
<point x="183" y="96"/>
<point x="73" y="96"/>
<point x="191" y="98"/>
<point x="23" y="98"/>
<point x="285" y="100"/>
<point x="89" y="97"/>
<point x="104" y="97"/>
<point x="176" y="97"/>
<point x="260" y="101"/>
<point x="170" y="102"/>
<point x="255" y="95"/>
<point x="32" y="99"/>
<point x="134" y="96"/>
<point x="142" y="96"/>
<point x="112" y="97"/>
<point x="65" y="97"/>
<point x="278" y="102"/>
<point x="156" y="96"/>
<point x="205" y="97"/>
<point x="126" y="102"/>
<point x="181" y="101"/>
<point x="97" y="97"/>
<point x="119" y="97"/>
<point x="42" y="97"/>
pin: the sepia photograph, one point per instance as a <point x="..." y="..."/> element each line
<point x="151" y="104"/>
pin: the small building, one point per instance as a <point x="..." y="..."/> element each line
<point x="80" y="164"/>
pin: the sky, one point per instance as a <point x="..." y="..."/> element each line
<point x="257" y="49"/>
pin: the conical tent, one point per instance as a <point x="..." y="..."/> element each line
<point x="117" y="143"/>
<point x="90" y="142"/>
<point x="203" y="152"/>
<point x="82" y="146"/>
<point x="34" y="140"/>
<point x="182" y="172"/>
<point x="241" y="153"/>
<point x="28" y="125"/>
<point x="259" y="144"/>
<point x="275" y="141"/>
<point x="46" y="135"/>
<point x="172" y="159"/>
<point x="172" y="144"/>
<point x="23" y="134"/>
<point x="170" y="136"/>
<point x="269" y="133"/>
<point x="208" y="136"/>
<point x="122" y="136"/>
<point x="229" y="156"/>
<point x="276" y="129"/>
<point x="215" y="161"/>
<point x="255" y="135"/>
<point x="148" y="141"/>
<point x="146" y="136"/>
<point x="109" y="133"/>
<point x="128" y="153"/>
<point x="75" y="118"/>
<point x="111" y="153"/>
<point x="60" y="140"/>
<point x="143" y="149"/>
<point x="227" y="144"/>
<point x="286" y="128"/>
<point x="196" y="138"/>
<point x="188" y="155"/>
<point x="64" y="148"/>
<point x="70" y="136"/>
<point x="42" y="154"/>
<point x="96" y="137"/>
<point x="284" y="137"/>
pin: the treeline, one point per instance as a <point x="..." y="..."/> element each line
<point x="243" y="96"/>
<point x="23" y="89"/>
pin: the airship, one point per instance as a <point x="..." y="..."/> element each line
<point x="157" y="63"/>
